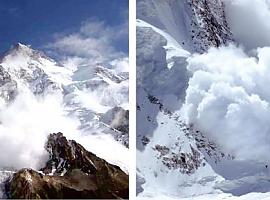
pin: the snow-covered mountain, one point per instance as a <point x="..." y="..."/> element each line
<point x="178" y="155"/>
<point x="39" y="96"/>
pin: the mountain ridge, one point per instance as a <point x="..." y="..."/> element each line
<point x="50" y="97"/>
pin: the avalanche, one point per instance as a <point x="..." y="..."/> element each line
<point x="39" y="96"/>
<point x="202" y="100"/>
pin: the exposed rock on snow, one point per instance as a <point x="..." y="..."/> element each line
<point x="209" y="27"/>
<point x="31" y="68"/>
<point x="175" y="160"/>
<point x="87" y="92"/>
<point x="75" y="101"/>
<point x="195" y="25"/>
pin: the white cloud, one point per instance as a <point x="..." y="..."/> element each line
<point x="249" y="21"/>
<point x="228" y="98"/>
<point x="95" y="42"/>
<point x="25" y="125"/>
<point x="120" y="64"/>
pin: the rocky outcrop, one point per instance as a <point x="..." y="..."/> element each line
<point x="186" y="163"/>
<point x="201" y="150"/>
<point x="71" y="172"/>
<point x="29" y="184"/>
<point x="196" y="25"/>
<point x="209" y="27"/>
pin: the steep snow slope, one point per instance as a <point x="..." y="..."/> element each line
<point x="39" y="96"/>
<point x="197" y="25"/>
<point x="175" y="159"/>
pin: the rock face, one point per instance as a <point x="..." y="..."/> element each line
<point x="209" y="27"/>
<point x="71" y="172"/>
<point x="196" y="25"/>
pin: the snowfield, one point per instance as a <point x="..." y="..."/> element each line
<point x="202" y="100"/>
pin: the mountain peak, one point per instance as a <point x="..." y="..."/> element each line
<point x="26" y="51"/>
<point x="20" y="47"/>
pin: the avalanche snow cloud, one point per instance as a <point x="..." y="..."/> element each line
<point x="227" y="95"/>
<point x="226" y="108"/>
<point x="249" y="21"/>
<point x="74" y="109"/>
<point x="24" y="127"/>
<point x="228" y="99"/>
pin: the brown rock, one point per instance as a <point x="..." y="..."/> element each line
<point x="74" y="173"/>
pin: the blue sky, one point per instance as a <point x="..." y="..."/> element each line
<point x="42" y="22"/>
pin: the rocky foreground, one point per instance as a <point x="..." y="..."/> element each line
<point x="71" y="172"/>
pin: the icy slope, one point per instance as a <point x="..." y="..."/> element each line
<point x="197" y="25"/>
<point x="23" y="67"/>
<point x="177" y="165"/>
<point x="177" y="159"/>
